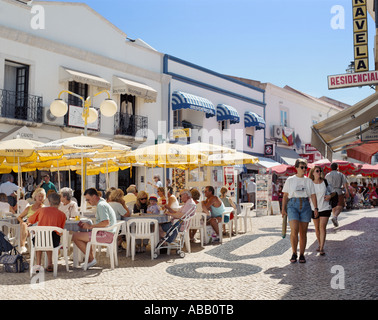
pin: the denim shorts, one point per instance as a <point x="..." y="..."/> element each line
<point x="299" y="209"/>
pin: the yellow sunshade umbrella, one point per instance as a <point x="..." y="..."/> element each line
<point x="164" y="154"/>
<point x="81" y="144"/>
<point x="231" y="159"/>
<point x="17" y="151"/>
<point x="208" y="148"/>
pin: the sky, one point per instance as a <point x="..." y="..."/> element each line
<point x="284" y="42"/>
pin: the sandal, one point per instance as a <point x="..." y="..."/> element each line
<point x="294" y="258"/>
<point x="49" y="269"/>
<point x="302" y="259"/>
<point x="321" y="252"/>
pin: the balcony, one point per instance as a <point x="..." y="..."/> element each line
<point x="130" y="125"/>
<point x="20" y="106"/>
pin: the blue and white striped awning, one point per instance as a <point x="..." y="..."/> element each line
<point x="183" y="100"/>
<point x="225" y="112"/>
<point x="252" y="119"/>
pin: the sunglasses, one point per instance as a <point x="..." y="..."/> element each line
<point x="143" y="198"/>
<point x="318" y="171"/>
<point x="303" y="167"/>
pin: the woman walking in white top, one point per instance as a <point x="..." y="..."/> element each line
<point x="323" y="196"/>
<point x="295" y="204"/>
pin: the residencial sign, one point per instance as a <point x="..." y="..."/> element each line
<point x="353" y="80"/>
<point x="360" y="36"/>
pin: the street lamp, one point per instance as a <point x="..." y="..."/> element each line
<point x="108" y="107"/>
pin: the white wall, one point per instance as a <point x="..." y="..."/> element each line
<point x="302" y="110"/>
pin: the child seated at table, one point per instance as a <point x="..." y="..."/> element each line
<point x="153" y="207"/>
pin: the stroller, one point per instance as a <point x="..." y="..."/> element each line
<point x="179" y="227"/>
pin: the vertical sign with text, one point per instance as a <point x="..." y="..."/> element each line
<point x="360" y="36"/>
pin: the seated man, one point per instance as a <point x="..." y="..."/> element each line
<point x="189" y="207"/>
<point x="213" y="206"/>
<point x="49" y="216"/>
<point x="105" y="217"/>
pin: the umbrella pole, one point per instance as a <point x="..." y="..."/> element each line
<point x="145" y="178"/>
<point x="82" y="202"/>
<point x="57" y="161"/>
<point x="107" y="174"/>
<point x="19" y="185"/>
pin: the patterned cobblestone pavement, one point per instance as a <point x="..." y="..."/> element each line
<point x="254" y="265"/>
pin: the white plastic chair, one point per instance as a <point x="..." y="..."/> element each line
<point x="246" y="214"/>
<point x="12" y="232"/>
<point x="227" y="210"/>
<point x="198" y="222"/>
<point x="141" y="229"/>
<point x="111" y="247"/>
<point x="43" y="241"/>
<point x="21" y="205"/>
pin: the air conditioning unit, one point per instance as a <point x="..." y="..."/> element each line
<point x="49" y="118"/>
<point x="277" y="132"/>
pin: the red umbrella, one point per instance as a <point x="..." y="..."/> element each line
<point x="283" y="170"/>
<point x="369" y="170"/>
<point x="345" y="167"/>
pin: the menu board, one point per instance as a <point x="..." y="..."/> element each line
<point x="263" y="193"/>
<point x="75" y="118"/>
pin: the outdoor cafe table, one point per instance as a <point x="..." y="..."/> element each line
<point x="161" y="218"/>
<point x="10" y="219"/>
<point x="73" y="226"/>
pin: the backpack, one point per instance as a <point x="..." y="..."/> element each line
<point x="12" y="262"/>
<point x="334" y="199"/>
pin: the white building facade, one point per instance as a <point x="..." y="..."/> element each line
<point x="53" y="46"/>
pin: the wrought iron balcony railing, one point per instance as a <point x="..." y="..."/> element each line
<point x="20" y="106"/>
<point x="130" y="125"/>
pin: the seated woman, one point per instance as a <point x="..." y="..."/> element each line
<point x="172" y="200"/>
<point x="141" y="202"/>
<point x="68" y="206"/>
<point x="118" y="204"/>
<point x="140" y="206"/>
<point x="162" y="200"/>
<point x="38" y="196"/>
<point x="227" y="201"/>
<point x="5" y="207"/>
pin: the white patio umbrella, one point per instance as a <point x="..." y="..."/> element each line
<point x="81" y="144"/>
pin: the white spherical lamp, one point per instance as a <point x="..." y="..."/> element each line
<point x="108" y="108"/>
<point x="92" y="115"/>
<point x="58" y="108"/>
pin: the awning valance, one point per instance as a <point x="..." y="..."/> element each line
<point x="252" y="119"/>
<point x="225" y="112"/>
<point x="125" y="86"/>
<point x="66" y="74"/>
<point x="340" y="131"/>
<point x="289" y="156"/>
<point x="183" y="100"/>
